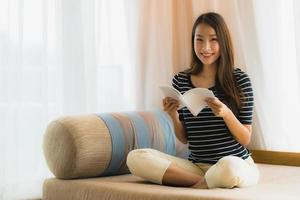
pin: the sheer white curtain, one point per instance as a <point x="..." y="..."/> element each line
<point x="74" y="56"/>
<point x="56" y="58"/>
<point x="269" y="32"/>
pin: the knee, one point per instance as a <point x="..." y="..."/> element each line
<point x="230" y="166"/>
<point x="138" y="154"/>
<point x="136" y="158"/>
<point x="230" y="163"/>
<point x="225" y="173"/>
<point x="147" y="164"/>
<point x="238" y="173"/>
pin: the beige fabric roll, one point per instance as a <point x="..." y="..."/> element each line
<point x="77" y="147"/>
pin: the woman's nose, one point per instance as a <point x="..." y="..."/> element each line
<point x="206" y="46"/>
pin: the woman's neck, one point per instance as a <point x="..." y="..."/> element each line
<point x="206" y="78"/>
<point x="208" y="71"/>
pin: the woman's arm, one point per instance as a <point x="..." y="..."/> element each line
<point x="170" y="106"/>
<point x="241" y="132"/>
<point x="179" y="130"/>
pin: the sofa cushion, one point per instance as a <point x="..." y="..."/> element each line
<point x="77" y="146"/>
<point x="97" y="145"/>
<point x="276" y="182"/>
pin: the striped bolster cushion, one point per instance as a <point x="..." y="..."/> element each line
<point x="98" y="144"/>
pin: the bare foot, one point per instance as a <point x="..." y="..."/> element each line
<point x="200" y="184"/>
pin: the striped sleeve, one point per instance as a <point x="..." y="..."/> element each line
<point x="247" y="99"/>
<point x="175" y="85"/>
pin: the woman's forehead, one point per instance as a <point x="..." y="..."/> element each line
<point x="204" y="30"/>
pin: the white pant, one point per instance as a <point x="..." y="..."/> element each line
<point x="228" y="172"/>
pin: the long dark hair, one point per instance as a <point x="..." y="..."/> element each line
<point x="225" y="79"/>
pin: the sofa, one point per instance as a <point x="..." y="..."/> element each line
<point x="87" y="156"/>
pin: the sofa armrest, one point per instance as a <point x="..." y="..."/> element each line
<point x="276" y="157"/>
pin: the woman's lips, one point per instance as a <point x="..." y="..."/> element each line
<point x="207" y="54"/>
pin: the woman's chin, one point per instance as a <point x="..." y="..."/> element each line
<point x="208" y="62"/>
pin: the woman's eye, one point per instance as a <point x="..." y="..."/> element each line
<point x="214" y="39"/>
<point x="199" y="39"/>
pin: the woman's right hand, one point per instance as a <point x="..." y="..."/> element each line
<point x="171" y="105"/>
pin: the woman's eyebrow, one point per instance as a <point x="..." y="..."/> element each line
<point x="212" y="35"/>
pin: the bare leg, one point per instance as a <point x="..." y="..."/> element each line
<point x="176" y="176"/>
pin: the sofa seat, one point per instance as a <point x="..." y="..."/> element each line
<point x="276" y="182"/>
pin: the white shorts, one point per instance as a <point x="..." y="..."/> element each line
<point x="228" y="172"/>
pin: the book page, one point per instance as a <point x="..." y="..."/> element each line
<point x="173" y="93"/>
<point x="194" y="99"/>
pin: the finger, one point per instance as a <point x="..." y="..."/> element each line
<point x="209" y="99"/>
<point x="172" y="100"/>
<point x="176" y="104"/>
<point x="169" y="98"/>
<point x="212" y="105"/>
<point x="173" y="107"/>
<point x="215" y="105"/>
<point x="166" y="104"/>
<point x="216" y="112"/>
<point x="214" y="100"/>
<point x="218" y="102"/>
<point x="166" y="100"/>
<point x="215" y="109"/>
<point x="169" y="105"/>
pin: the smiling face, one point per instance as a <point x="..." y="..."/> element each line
<point x="206" y="45"/>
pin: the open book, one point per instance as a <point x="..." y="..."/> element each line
<point x="192" y="99"/>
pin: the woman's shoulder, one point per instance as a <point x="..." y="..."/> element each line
<point x="240" y="74"/>
<point x="181" y="79"/>
<point x="242" y="78"/>
<point x="182" y="74"/>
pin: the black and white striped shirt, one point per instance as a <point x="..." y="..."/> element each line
<point x="208" y="136"/>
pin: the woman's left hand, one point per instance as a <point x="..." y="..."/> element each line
<point x="217" y="106"/>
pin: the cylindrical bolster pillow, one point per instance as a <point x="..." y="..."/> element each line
<point x="98" y="144"/>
